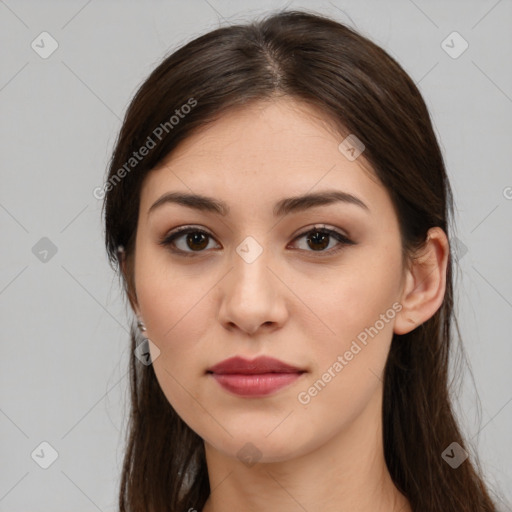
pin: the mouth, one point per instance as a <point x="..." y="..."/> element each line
<point x="254" y="378"/>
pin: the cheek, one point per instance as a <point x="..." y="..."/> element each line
<point x="175" y="302"/>
<point x="177" y="321"/>
<point x="348" y="369"/>
<point x="358" y="310"/>
<point x="350" y="300"/>
<point x="169" y="294"/>
<point x="176" y="314"/>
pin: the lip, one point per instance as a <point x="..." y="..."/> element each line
<point x="262" y="364"/>
<point x="257" y="377"/>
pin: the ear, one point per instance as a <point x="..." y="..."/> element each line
<point x="425" y="283"/>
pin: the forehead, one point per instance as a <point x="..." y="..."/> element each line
<point x="260" y="153"/>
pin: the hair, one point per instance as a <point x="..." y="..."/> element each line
<point x="362" y="90"/>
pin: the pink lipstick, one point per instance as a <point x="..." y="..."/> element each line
<point x="254" y="378"/>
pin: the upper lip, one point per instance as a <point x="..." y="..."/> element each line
<point x="262" y="364"/>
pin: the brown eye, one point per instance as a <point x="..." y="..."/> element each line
<point x="319" y="239"/>
<point x="187" y="241"/>
<point x="196" y="240"/>
<point x="190" y="241"/>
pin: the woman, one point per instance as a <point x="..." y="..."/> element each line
<point x="279" y="206"/>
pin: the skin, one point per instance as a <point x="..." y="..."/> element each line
<point x="295" y="302"/>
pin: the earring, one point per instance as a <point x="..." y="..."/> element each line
<point x="140" y="325"/>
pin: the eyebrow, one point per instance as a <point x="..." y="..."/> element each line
<point x="281" y="208"/>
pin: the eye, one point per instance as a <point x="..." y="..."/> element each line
<point x="320" y="237"/>
<point x="196" y="239"/>
<point x="189" y="237"/>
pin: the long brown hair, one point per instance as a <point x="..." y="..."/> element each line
<point x="361" y="89"/>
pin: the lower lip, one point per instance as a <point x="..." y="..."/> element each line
<point x="254" y="385"/>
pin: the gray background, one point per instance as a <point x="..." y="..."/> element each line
<point x="64" y="323"/>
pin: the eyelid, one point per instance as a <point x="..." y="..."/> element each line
<point x="322" y="227"/>
<point x="185" y="228"/>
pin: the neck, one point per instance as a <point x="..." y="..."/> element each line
<point x="347" y="473"/>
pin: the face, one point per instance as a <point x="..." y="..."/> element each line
<point x="268" y="278"/>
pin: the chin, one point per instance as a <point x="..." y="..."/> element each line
<point x="259" y="446"/>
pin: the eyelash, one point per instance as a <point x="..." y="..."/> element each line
<point x="168" y="240"/>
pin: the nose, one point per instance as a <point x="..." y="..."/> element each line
<point x="252" y="296"/>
